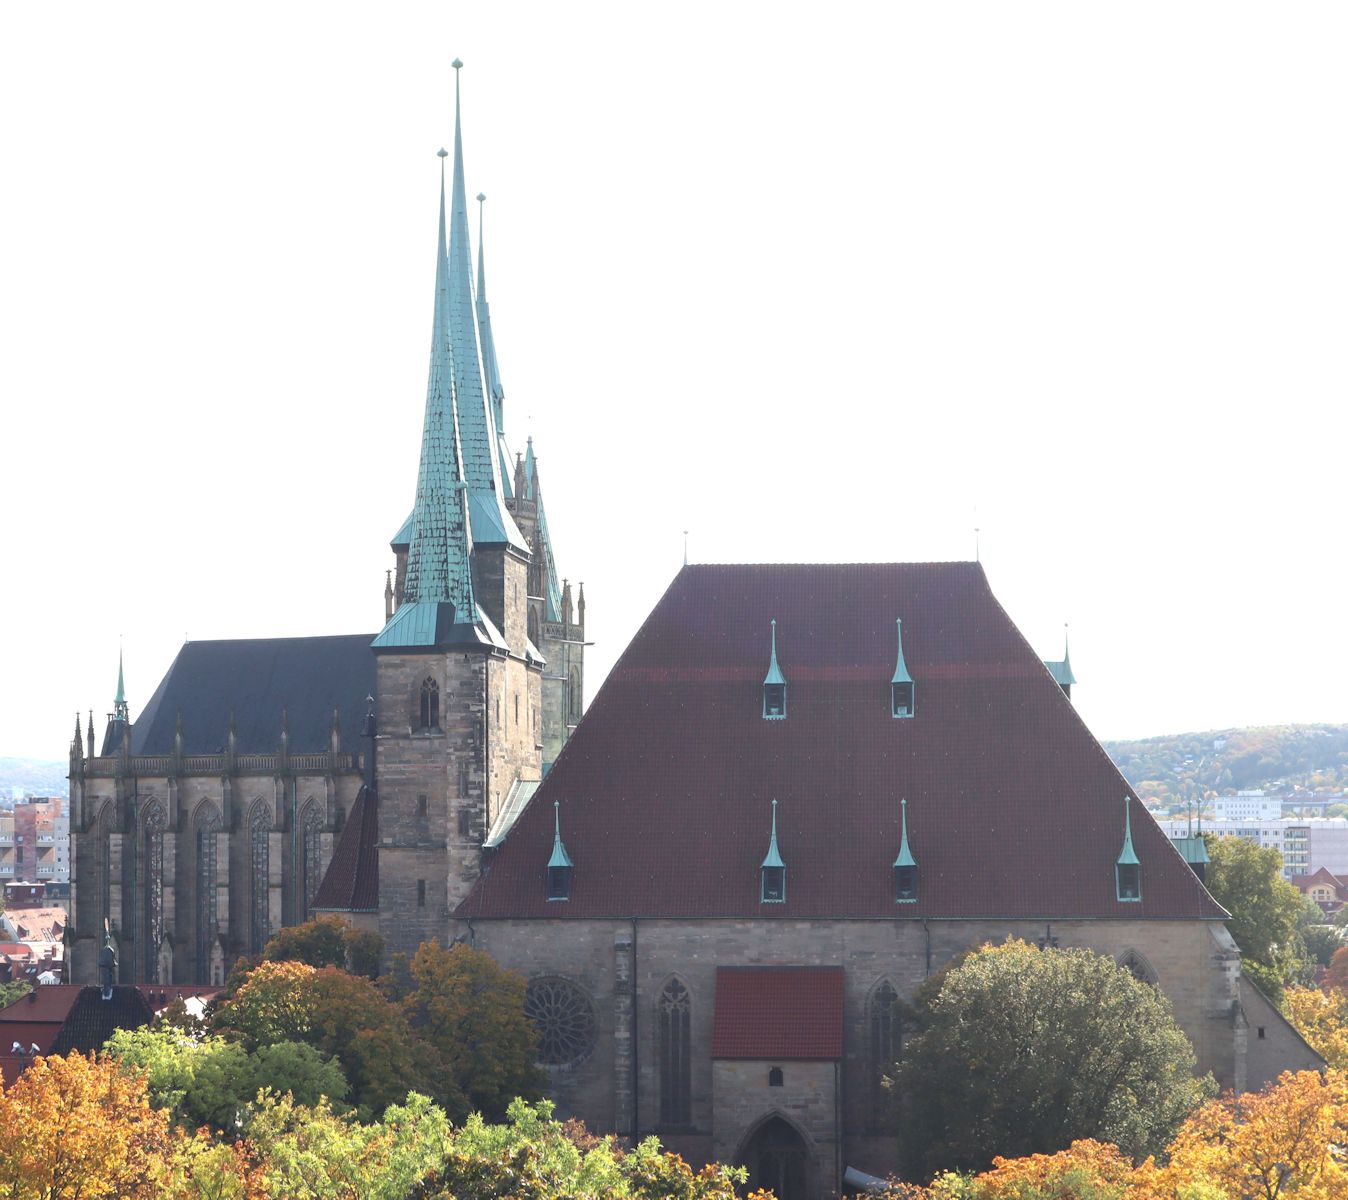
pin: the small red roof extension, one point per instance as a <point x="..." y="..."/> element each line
<point x="778" y="1013"/>
<point x="665" y="789"/>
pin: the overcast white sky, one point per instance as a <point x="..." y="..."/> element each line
<point x="813" y="282"/>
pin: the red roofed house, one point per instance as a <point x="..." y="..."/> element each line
<point x="783" y="811"/>
<point x="1327" y="890"/>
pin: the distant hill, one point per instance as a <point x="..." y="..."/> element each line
<point x="1277" y="758"/>
<point x="34" y="776"/>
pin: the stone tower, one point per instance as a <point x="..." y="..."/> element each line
<point x="459" y="699"/>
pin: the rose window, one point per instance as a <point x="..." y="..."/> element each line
<point x="564" y="1018"/>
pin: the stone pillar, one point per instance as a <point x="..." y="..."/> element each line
<point x="624" y="1097"/>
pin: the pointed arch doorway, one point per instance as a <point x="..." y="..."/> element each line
<point x="778" y="1160"/>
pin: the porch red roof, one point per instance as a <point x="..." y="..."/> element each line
<point x="665" y="789"/>
<point x="778" y="1012"/>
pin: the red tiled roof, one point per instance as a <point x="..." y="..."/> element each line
<point x="351" y="882"/>
<point x="665" y="788"/>
<point x="46" y="1002"/>
<point x="778" y="1012"/>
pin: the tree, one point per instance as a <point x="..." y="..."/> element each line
<point x="75" y="1128"/>
<point x="1086" y="1170"/>
<point x="1022" y="1051"/>
<point x="16" y="990"/>
<point x="328" y="941"/>
<point x="344" y="1016"/>
<point x="1322" y="1019"/>
<point x="1246" y="880"/>
<point x="472" y="1011"/>
<point x="1336" y="974"/>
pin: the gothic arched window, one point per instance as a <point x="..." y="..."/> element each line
<point x="576" y="696"/>
<point x="886" y="1041"/>
<point x="152" y="826"/>
<point x="208" y="927"/>
<point x="259" y="830"/>
<point x="673" y="1019"/>
<point x="1138" y="967"/>
<point x="312" y="825"/>
<point x="430" y="704"/>
<point x="104" y="864"/>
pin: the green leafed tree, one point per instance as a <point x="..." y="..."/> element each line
<point x="327" y="941"/>
<point x="1265" y="909"/>
<point x="1022" y="1051"/>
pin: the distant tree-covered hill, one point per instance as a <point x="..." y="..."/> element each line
<point x="32" y="776"/>
<point x="1191" y="766"/>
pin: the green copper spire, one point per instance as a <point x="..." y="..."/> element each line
<point x="491" y="522"/>
<point x="560" y="858"/>
<point x="1127" y="856"/>
<point x="905" y="858"/>
<point x="900" y="667"/>
<point x="495" y="392"/>
<point x="774" y="674"/>
<point x="774" y="685"/>
<point x="438" y="591"/>
<point x="774" y="858"/>
<point x="120" y="711"/>
<point x="1062" y="670"/>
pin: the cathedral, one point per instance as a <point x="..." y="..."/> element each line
<point x="202" y="827"/>
<point x="801" y="791"/>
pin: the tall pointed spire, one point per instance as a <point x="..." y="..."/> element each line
<point x="495" y="392"/>
<point x="120" y="711"/>
<point x="438" y="590"/>
<point x="491" y="521"/>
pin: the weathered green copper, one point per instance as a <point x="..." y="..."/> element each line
<point x="495" y="392"/>
<point x="560" y="858"/>
<point x="773" y="859"/>
<point x="490" y="521"/>
<point x="1062" y="670"/>
<point x="905" y="858"/>
<point x="774" y="685"/>
<point x="120" y="710"/>
<point x="1194" y="850"/>
<point x="1127" y="856"/>
<point x="774" y="674"/>
<point x="438" y="588"/>
<point x="900" y="667"/>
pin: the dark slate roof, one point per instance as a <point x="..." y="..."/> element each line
<point x="665" y="788"/>
<point x="778" y="1012"/>
<point x="351" y="882"/>
<point x="258" y="678"/>
<point x="93" y="1020"/>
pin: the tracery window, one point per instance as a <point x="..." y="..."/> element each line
<point x="886" y="1038"/>
<point x="260" y="865"/>
<point x="430" y="704"/>
<point x="104" y="864"/>
<point x="312" y="827"/>
<point x="675" y="1010"/>
<point x="152" y="824"/>
<point x="208" y="825"/>
<point x="1138" y="968"/>
<point x="565" y="1020"/>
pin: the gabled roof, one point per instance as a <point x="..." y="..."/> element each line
<point x="257" y="678"/>
<point x="778" y="1012"/>
<point x="1014" y="810"/>
<point x="351" y="882"/>
<point x="93" y="1020"/>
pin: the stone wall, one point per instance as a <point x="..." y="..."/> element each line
<point x="1194" y="963"/>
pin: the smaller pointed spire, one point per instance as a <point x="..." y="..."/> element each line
<point x="567" y="613"/>
<point x="120" y="712"/>
<point x="90" y="729"/>
<point x="1127" y="856"/>
<point x="560" y="858"/>
<point x="774" y="684"/>
<point x="902" y="689"/>
<point x="580" y="606"/>
<point x="530" y="469"/>
<point x="772" y="871"/>
<point x="773" y="857"/>
<point x="521" y="487"/>
<point x="1127" y="868"/>
<point x="388" y="594"/>
<point x="77" y="746"/>
<point x="905" y="858"/>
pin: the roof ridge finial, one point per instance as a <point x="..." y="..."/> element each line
<point x="905" y="858"/>
<point x="560" y="858"/>
<point x="774" y="675"/>
<point x="120" y="710"/>
<point x="1127" y="856"/>
<point x="774" y="857"/>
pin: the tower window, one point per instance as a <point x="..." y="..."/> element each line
<point x="421" y="893"/>
<point x="559" y="883"/>
<point x="1130" y="881"/>
<point x="430" y="704"/>
<point x="775" y="1077"/>
<point x="905" y="884"/>
<point x="774" y="885"/>
<point x="774" y="701"/>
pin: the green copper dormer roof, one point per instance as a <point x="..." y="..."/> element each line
<point x="495" y="392"/>
<point x="439" y="607"/>
<point x="774" y="674"/>
<point x="1127" y="856"/>
<point x="404" y="535"/>
<point x="491" y="522"/>
<point x="560" y="858"/>
<point x="1062" y="671"/>
<point x="773" y="859"/>
<point x="1194" y="850"/>
<point x="900" y="667"/>
<point x="905" y="858"/>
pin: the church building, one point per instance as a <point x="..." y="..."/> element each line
<point x="802" y="790"/>
<point x="202" y="827"/>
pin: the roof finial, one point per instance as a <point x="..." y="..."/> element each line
<point x="1127" y="856"/>
<point x="560" y="858"/>
<point x="685" y="559"/>
<point x="774" y="858"/>
<point x="905" y="858"/>
<point x="978" y="557"/>
<point x="120" y="711"/>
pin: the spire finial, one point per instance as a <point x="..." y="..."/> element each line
<point x="685" y="561"/>
<point x="905" y="858"/>
<point x="559" y="858"/>
<point x="120" y="711"/>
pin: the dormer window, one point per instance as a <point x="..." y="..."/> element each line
<point x="1127" y="868"/>
<point x="902" y="690"/>
<point x="774" y="686"/>
<point x="559" y="865"/>
<point x="430" y="704"/>
<point x="905" y="866"/>
<point x="772" y="873"/>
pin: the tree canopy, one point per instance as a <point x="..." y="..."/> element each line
<point x="1022" y="1051"/>
<point x="327" y="941"/>
<point x="1265" y="909"/>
